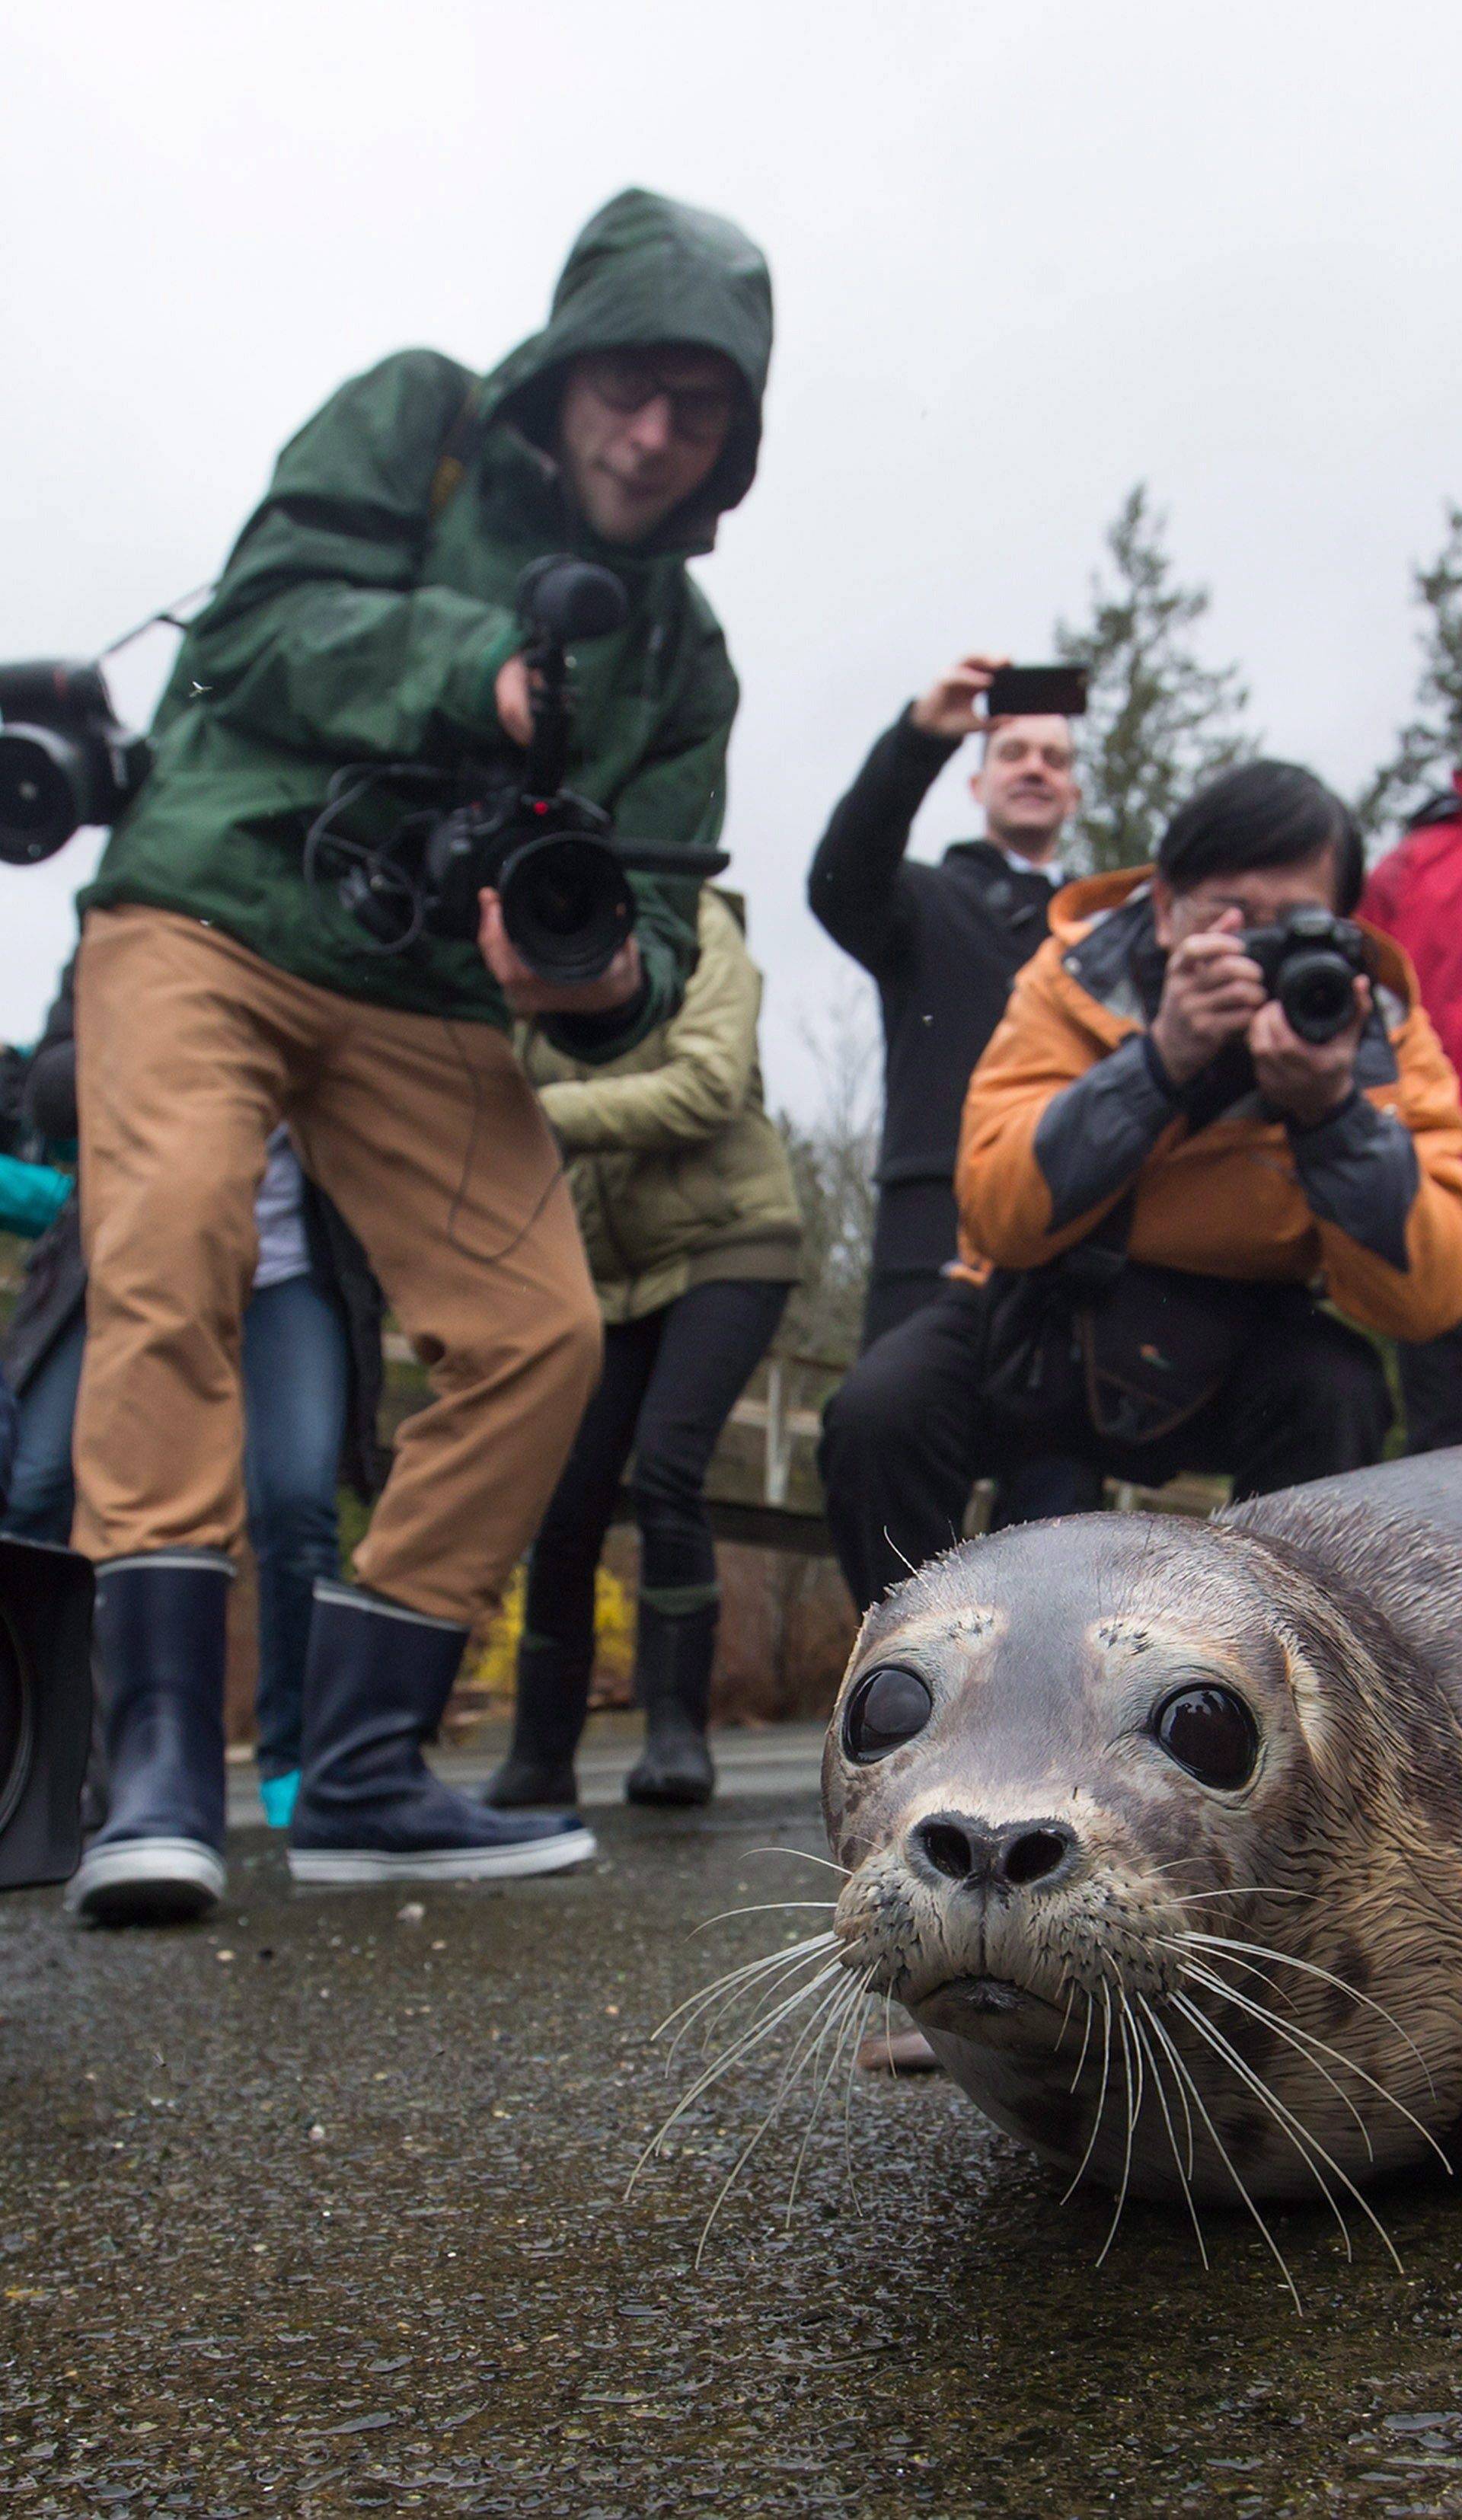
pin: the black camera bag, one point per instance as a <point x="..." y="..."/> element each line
<point x="1136" y="1349"/>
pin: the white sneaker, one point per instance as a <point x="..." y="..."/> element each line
<point x="146" y="1881"/>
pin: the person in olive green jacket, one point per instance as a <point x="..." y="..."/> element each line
<point x="366" y="616"/>
<point x="690" y="1222"/>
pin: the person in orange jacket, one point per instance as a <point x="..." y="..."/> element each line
<point x="1163" y="1189"/>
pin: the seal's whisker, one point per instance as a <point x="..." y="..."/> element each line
<point x="1295" y="2127"/>
<point x="1245" y="1890"/>
<point x="1296" y="2133"/>
<point x="1261" y="2012"/>
<point x="802" y="2047"/>
<point x="1133" y="2105"/>
<point x="852" y="2044"/>
<point x="1086" y="2041"/>
<point x="1307" y="2041"/>
<point x="768" y="1989"/>
<point x="1312" y="1968"/>
<point x="733" y="2054"/>
<point x="1184" y="2177"/>
<point x="1071" y="1996"/>
<point x="840" y="2021"/>
<point x="788" y="1956"/>
<point x="803" y="1857"/>
<point x="1186" y="2079"/>
<point x="763" y="1907"/>
<point x="1106" y="2063"/>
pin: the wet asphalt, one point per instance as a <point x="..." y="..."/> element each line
<point x="321" y="2209"/>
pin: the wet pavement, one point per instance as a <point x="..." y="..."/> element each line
<point x="321" y="2210"/>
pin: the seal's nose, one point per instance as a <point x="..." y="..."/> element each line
<point x="961" y="1849"/>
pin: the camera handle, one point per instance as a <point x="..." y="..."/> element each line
<point x="552" y="703"/>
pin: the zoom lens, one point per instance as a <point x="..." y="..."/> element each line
<point x="45" y="792"/>
<point x="567" y="906"/>
<point x="1318" y="992"/>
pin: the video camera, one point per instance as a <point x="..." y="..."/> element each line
<point x="64" y="758"/>
<point x="553" y="858"/>
<point x="1310" y="962"/>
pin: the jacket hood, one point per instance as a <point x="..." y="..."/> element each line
<point x="648" y="269"/>
<point x="1079" y="908"/>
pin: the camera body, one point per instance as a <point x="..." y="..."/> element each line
<point x="64" y="758"/>
<point x="554" y="860"/>
<point x="1310" y="962"/>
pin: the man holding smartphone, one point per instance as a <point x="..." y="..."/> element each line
<point x="944" y="944"/>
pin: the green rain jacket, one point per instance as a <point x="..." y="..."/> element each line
<point x="362" y="617"/>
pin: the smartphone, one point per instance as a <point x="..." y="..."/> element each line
<point x="1038" y="691"/>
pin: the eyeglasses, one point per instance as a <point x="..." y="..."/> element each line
<point x="699" y="414"/>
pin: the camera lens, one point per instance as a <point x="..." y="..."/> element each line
<point x="1316" y="991"/>
<point x="44" y="793"/>
<point x="567" y="906"/>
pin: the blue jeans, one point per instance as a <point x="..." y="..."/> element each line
<point x="42" y="1492"/>
<point x="297" y="1373"/>
<point x="297" y="1376"/>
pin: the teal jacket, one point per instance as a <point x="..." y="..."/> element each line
<point x="368" y="605"/>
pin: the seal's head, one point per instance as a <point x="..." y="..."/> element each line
<point x="1065" y="1764"/>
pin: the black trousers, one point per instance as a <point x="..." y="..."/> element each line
<point x="670" y="1381"/>
<point x="1431" y="1374"/>
<point x="910" y="1430"/>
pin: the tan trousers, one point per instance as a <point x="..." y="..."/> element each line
<point x="427" y="1137"/>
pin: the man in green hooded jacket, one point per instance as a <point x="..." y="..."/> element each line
<point x="366" y="614"/>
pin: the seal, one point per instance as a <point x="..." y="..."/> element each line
<point x="1155" y="1827"/>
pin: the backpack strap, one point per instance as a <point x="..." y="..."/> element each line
<point x="456" y="453"/>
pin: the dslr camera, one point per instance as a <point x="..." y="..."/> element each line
<point x="65" y="759"/>
<point x="1310" y="962"/>
<point x="560" y="870"/>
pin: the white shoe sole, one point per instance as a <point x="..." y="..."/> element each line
<point x="313" y="1866"/>
<point x="147" y="1881"/>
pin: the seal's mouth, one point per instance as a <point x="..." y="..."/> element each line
<point x="951" y="2005"/>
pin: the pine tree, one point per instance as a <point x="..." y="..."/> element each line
<point x="1158" y="721"/>
<point x="1430" y="748"/>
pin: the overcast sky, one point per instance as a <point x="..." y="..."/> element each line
<point x="1024" y="256"/>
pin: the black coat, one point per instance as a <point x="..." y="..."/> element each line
<point x="944" y="944"/>
<point x="55" y="1288"/>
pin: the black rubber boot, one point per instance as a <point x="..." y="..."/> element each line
<point x="377" y="1681"/>
<point x="672" y="1657"/>
<point x="159" y="1656"/>
<point x="549" y="1717"/>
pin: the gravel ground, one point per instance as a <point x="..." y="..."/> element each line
<point x="322" y="2210"/>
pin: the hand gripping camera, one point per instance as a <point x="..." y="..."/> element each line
<point x="559" y="870"/>
<point x="1310" y="962"/>
<point x="65" y="759"/>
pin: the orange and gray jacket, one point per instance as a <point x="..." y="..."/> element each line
<point x="1070" y="1111"/>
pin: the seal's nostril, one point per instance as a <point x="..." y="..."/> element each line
<point x="1032" y="1854"/>
<point x="954" y="1851"/>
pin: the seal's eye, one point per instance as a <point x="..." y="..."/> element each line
<point x="1210" y="1732"/>
<point x="887" y="1707"/>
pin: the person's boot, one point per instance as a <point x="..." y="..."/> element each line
<point x="377" y="1678"/>
<point x="548" y="1719"/>
<point x="159" y="1632"/>
<point x="673" y="1655"/>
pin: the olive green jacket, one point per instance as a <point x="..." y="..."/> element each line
<point x="368" y="605"/>
<point x="677" y="1173"/>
